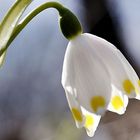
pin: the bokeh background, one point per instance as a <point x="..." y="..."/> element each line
<point x="32" y="101"/>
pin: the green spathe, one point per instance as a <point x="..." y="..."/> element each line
<point x="69" y="24"/>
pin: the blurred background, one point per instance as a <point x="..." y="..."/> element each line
<point x="32" y="101"/>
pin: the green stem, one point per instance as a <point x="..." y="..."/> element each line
<point x="65" y="14"/>
<point x="35" y="12"/>
<point x="27" y="19"/>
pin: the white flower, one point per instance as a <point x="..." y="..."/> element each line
<point x="96" y="77"/>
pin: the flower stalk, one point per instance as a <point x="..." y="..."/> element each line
<point x="69" y="24"/>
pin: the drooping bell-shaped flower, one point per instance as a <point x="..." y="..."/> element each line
<point x="96" y="78"/>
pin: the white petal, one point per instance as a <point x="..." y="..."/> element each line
<point x="118" y="102"/>
<point x="91" y="123"/>
<point x="84" y="71"/>
<point x="122" y="74"/>
<point x="75" y="109"/>
<point x="132" y="74"/>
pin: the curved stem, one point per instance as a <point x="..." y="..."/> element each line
<point x="69" y="24"/>
<point x="29" y="17"/>
<point x="35" y="12"/>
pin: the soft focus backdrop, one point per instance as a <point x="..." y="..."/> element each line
<point x="32" y="101"/>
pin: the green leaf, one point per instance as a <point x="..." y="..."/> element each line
<point x="10" y="21"/>
<point x="2" y="58"/>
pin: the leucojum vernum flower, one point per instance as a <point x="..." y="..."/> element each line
<point x="96" y="76"/>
